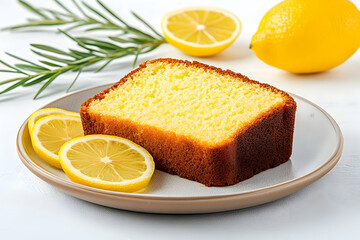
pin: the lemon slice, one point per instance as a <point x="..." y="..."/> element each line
<point x="46" y="112"/>
<point x="201" y="31"/>
<point x="51" y="132"/>
<point x="107" y="162"/>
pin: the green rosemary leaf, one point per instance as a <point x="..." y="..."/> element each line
<point x="37" y="24"/>
<point x="12" y="67"/>
<point x="7" y="71"/>
<point x="118" y="39"/>
<point x="47" y="83"/>
<point x="152" y="48"/>
<point x="104" y="65"/>
<point x="80" y="9"/>
<point x="52" y="49"/>
<point x="81" y="24"/>
<point x="56" y="59"/>
<point x="54" y="15"/>
<point x="10" y="80"/>
<point x="99" y="43"/>
<point x="65" y="8"/>
<point x="32" y="20"/>
<point x="147" y="24"/>
<point x="50" y="63"/>
<point x="76" y="68"/>
<point x="131" y="49"/>
<point x="126" y="52"/>
<point x="136" y="56"/>
<point x="97" y="13"/>
<point x="33" y="9"/>
<point x="27" y="61"/>
<point x="137" y="40"/>
<point x="19" y="83"/>
<point x="129" y="40"/>
<point x="133" y="40"/>
<point x="73" y="82"/>
<point x="102" y="27"/>
<point x="59" y="14"/>
<point x="80" y="54"/>
<point x="83" y="12"/>
<point x="140" y="33"/>
<point x="81" y="44"/>
<point x="37" y="80"/>
<point x="111" y="13"/>
<point x="28" y="67"/>
<point x="84" y="60"/>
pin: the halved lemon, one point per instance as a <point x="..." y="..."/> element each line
<point x="46" y="112"/>
<point x="51" y="132"/>
<point x="201" y="31"/>
<point x="107" y="162"/>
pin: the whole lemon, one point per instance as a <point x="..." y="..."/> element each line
<point x="306" y="36"/>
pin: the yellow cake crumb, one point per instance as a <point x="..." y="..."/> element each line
<point x="194" y="102"/>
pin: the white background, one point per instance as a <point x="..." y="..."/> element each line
<point x="327" y="209"/>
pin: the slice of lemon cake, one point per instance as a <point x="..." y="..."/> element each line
<point x="199" y="122"/>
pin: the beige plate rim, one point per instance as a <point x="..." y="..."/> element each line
<point x="269" y="193"/>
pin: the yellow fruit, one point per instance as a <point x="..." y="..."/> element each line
<point x="45" y="112"/>
<point x="201" y="31"/>
<point x="306" y="36"/>
<point x="51" y="132"/>
<point x="107" y="162"/>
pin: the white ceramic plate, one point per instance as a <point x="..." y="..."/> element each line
<point x="318" y="144"/>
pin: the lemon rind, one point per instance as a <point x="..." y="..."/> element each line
<point x="45" y="154"/>
<point x="52" y="111"/>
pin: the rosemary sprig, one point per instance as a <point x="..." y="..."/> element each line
<point x="55" y="62"/>
<point x="59" y="61"/>
<point x="82" y="19"/>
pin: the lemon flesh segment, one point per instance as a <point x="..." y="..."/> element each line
<point x="51" y="132"/>
<point x="107" y="162"/>
<point x="46" y="112"/>
<point x="201" y="31"/>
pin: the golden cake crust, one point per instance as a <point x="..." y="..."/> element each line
<point x="263" y="144"/>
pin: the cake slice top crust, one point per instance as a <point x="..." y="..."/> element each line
<point x="190" y="99"/>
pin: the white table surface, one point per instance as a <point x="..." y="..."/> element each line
<point x="327" y="209"/>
